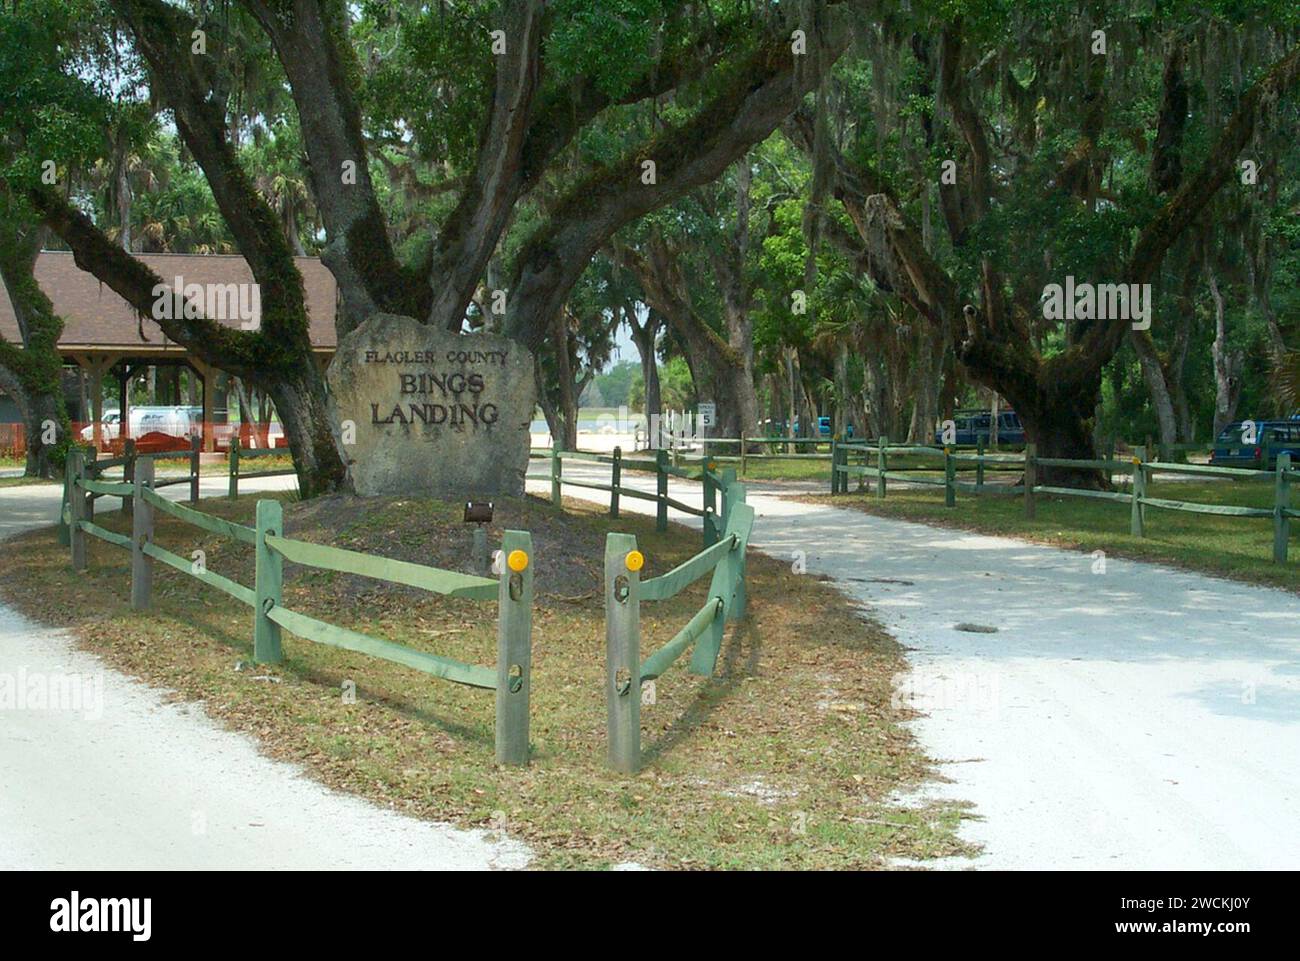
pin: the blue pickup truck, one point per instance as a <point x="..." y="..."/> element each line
<point x="976" y="426"/>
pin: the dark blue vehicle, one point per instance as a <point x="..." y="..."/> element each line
<point x="976" y="426"/>
<point x="1232" y="448"/>
<point x="776" y="428"/>
<point x="824" y="427"/>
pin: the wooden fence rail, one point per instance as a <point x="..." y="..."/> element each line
<point x="95" y="471"/>
<point x="238" y="454"/>
<point x="625" y="671"/>
<point x="512" y="590"/>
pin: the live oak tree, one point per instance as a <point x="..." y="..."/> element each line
<point x="63" y="127"/>
<point x="526" y="77"/>
<point x="694" y="270"/>
<point x="30" y="370"/>
<point x="1042" y="127"/>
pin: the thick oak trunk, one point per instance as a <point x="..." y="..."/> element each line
<point x="309" y="425"/>
<point x="30" y="371"/>
<point x="1058" y="418"/>
<point x="722" y="376"/>
<point x="37" y="409"/>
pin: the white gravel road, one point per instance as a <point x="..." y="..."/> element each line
<point x="120" y="779"/>
<point x="1140" y="718"/>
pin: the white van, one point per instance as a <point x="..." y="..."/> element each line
<point x="108" y="430"/>
<point x="172" y="421"/>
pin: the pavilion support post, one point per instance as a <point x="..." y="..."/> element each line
<point x="208" y="379"/>
<point x="97" y="404"/>
<point x="123" y="411"/>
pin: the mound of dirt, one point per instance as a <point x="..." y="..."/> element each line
<point x="568" y="549"/>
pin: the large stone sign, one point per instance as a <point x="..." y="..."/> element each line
<point x="432" y="412"/>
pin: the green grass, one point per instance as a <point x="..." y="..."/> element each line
<point x="786" y="757"/>
<point x="249" y="465"/>
<point x="24" y="481"/>
<point x="1235" y="547"/>
<point x="778" y="468"/>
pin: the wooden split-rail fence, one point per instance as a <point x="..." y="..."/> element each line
<point x="874" y="465"/>
<point x="512" y="591"/>
<point x="727" y="522"/>
<point x="626" y="673"/>
<point x="657" y="462"/>
<point x="238" y="454"/>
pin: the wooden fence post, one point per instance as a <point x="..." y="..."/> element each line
<point x="1030" y="480"/>
<point x="740" y="599"/>
<point x="90" y="471"/>
<point x="615" y="479"/>
<point x="267" y="581"/>
<point x="1137" y="517"/>
<point x="514" y="647"/>
<point x="196" y="445"/>
<point x="1110" y="456"/>
<point x="949" y="479"/>
<point x="1281" y="504"/>
<point x="710" y="503"/>
<point x="882" y="462"/>
<point x="744" y="461"/>
<point x="835" y="463"/>
<point x="234" y="466"/>
<point x="979" y="463"/>
<point x="623" y="651"/>
<point x="65" y="508"/>
<point x="128" y="472"/>
<point x="728" y="481"/>
<point x="661" y="490"/>
<point x="141" y="534"/>
<point x="77" y="498"/>
<point x="557" y="468"/>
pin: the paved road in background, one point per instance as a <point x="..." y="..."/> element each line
<point x="1138" y="718"/>
<point x="138" y="783"/>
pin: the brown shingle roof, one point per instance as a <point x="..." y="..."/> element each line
<point x="95" y="316"/>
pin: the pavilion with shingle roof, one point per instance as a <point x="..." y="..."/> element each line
<point x="103" y="334"/>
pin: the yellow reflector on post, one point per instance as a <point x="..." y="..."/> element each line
<point x="518" y="561"/>
<point x="635" y="560"/>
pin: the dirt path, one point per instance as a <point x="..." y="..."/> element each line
<point x="121" y="779"/>
<point x="1138" y="718"/>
